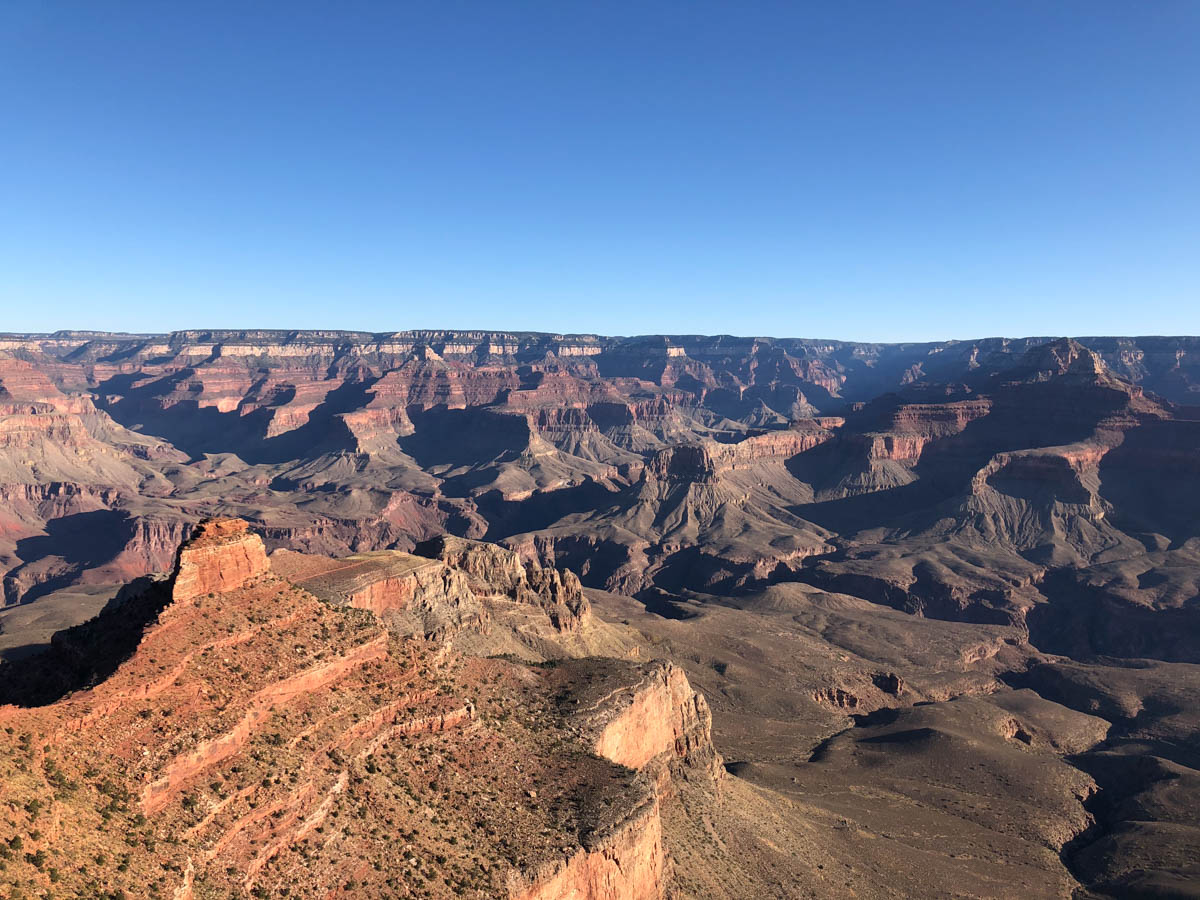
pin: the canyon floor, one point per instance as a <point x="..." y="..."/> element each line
<point x="462" y="603"/>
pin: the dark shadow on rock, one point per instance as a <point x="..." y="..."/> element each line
<point x="85" y="655"/>
<point x="197" y="431"/>
<point x="465" y="437"/>
<point x="540" y="510"/>
<point x="1083" y="620"/>
<point x="660" y="603"/>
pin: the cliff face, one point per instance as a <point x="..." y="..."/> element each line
<point x="663" y="715"/>
<point x="413" y="594"/>
<point x="625" y="862"/>
<point x="1167" y="365"/>
<point x="708" y="461"/>
<point x="912" y="426"/>
<point x="645" y="718"/>
<point x="221" y="556"/>
<point x="649" y="718"/>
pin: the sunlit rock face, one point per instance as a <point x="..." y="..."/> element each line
<point x="221" y="556"/>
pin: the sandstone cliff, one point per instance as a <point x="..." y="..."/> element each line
<point x="647" y="717"/>
<point x="623" y="860"/>
<point x="221" y="556"/>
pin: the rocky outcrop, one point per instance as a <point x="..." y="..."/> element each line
<point x="646" y="717"/>
<point x="236" y="725"/>
<point x="664" y="718"/>
<point x="706" y="461"/>
<point x="494" y="569"/>
<point x="489" y="567"/>
<point x="623" y="861"/>
<point x="222" y="556"/>
<point x="913" y="426"/>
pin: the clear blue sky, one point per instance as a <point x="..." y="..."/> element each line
<point x="861" y="170"/>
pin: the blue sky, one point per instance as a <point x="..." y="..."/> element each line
<point x="857" y="170"/>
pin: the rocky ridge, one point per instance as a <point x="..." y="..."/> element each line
<point x="259" y="738"/>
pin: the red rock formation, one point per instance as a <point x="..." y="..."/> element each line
<point x="222" y="556"/>
<point x="387" y="582"/>
<point x="252" y="715"/>
<point x="914" y="425"/>
<point x="708" y="460"/>
<point x="626" y="862"/>
<point x="659" y="716"/>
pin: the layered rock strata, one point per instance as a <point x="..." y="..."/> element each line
<point x="493" y="569"/>
<point x="221" y="556"/>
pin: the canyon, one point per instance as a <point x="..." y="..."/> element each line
<point x="732" y="617"/>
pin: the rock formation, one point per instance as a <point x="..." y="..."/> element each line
<point x="223" y="555"/>
<point x="493" y="569"/>
<point x="269" y="734"/>
<point x="653" y="718"/>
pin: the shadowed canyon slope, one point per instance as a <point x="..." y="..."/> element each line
<point x="927" y="590"/>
